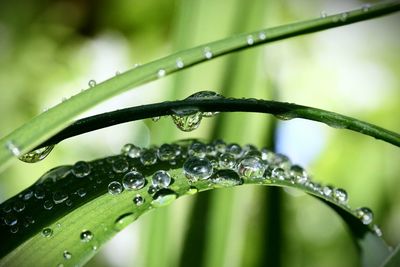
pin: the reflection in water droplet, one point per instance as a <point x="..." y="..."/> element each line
<point x="138" y="200"/>
<point x="197" y="168"/>
<point x="278" y="173"/>
<point x="163" y="198"/>
<point x="133" y="180"/>
<point x="365" y="215"/>
<point x="251" y="167"/>
<point x="124" y="220"/>
<point x="161" y="179"/>
<point x="234" y="149"/>
<point x="340" y="195"/>
<point x="227" y="160"/>
<point x="92" y="83"/>
<point x="39" y="193"/>
<point x="36" y="155"/>
<point x="226" y="178"/>
<point x="115" y="188"/>
<point x="86" y="236"/>
<point x="197" y="149"/>
<point x="10" y="219"/>
<point x="81" y="192"/>
<point x="327" y="190"/>
<point x="298" y="174"/>
<point x="47" y="232"/>
<point x="13" y="148"/>
<point x="81" y="169"/>
<point x="187" y="119"/>
<point x="67" y="255"/>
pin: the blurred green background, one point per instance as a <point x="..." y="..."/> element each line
<point x="49" y="50"/>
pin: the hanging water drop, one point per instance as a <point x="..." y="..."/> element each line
<point x="148" y="157"/>
<point x="340" y="195"/>
<point x="131" y="151"/>
<point x="138" y="200"/>
<point x="207" y="53"/>
<point x="163" y="198"/>
<point x="13" y="148"/>
<point x="365" y="215"/>
<point x="114" y="188"/>
<point x="86" y="236"/>
<point x="36" y="155"/>
<point x="179" y="63"/>
<point x="81" y="169"/>
<point x="197" y="168"/>
<point x="133" y="180"/>
<point x="92" y="83"/>
<point x="67" y="255"/>
<point x="186" y="119"/>
<point x="120" y="165"/>
<point x="226" y="178"/>
<point x="205" y="95"/>
<point x="250" y="40"/>
<point x="47" y="232"/>
<point x="251" y="167"/>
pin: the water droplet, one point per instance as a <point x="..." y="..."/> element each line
<point x="14" y="229"/>
<point x="327" y="190"/>
<point x="163" y="198"/>
<point x="69" y="202"/>
<point x="207" y="53"/>
<point x="86" y="236"/>
<point x="250" y="40"/>
<point x="197" y="149"/>
<point x="192" y="190"/>
<point x="148" y="157"/>
<point x="187" y="119"/>
<point x="48" y="205"/>
<point x="161" y="179"/>
<point x="59" y="197"/>
<point x="166" y="152"/>
<point x="117" y="73"/>
<point x="298" y="174"/>
<point x="36" y="155"/>
<point x="343" y="17"/>
<point x="366" y="7"/>
<point x="161" y="73"/>
<point x="10" y="219"/>
<point x="323" y="14"/>
<point x="219" y="145"/>
<point x="120" y="165"/>
<point x="234" y="149"/>
<point x="285" y="116"/>
<point x="115" y="188"/>
<point x="81" y="192"/>
<point x="124" y="220"/>
<point x="278" y="173"/>
<point x="262" y="36"/>
<point x="39" y="193"/>
<point x="226" y="178"/>
<point x="340" y="195"/>
<point x="81" y="169"/>
<point x="155" y="119"/>
<point x="47" y="232"/>
<point x="131" y="151"/>
<point x="138" y="200"/>
<point x="205" y="95"/>
<point x="92" y="83"/>
<point x="67" y="255"/>
<point x="365" y="215"/>
<point x="377" y="230"/>
<point x="179" y="63"/>
<point x="28" y="195"/>
<point x="13" y="148"/>
<point x="197" y="168"/>
<point x="19" y="206"/>
<point x="251" y="167"/>
<point x="133" y="180"/>
<point x="227" y="160"/>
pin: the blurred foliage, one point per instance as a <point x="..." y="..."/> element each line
<point x="51" y="49"/>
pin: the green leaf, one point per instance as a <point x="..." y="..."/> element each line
<point x="394" y="258"/>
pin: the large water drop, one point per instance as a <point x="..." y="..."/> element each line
<point x="133" y="180"/>
<point x="161" y="179"/>
<point x="187" y="119"/>
<point x="36" y="155"/>
<point x="197" y="168"/>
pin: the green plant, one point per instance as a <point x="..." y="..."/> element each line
<point x="43" y="127"/>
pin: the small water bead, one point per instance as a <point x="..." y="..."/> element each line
<point x="166" y="152"/>
<point x="69" y="202"/>
<point x="262" y="36"/>
<point x="131" y="151"/>
<point x="278" y="174"/>
<point x="10" y="219"/>
<point x="39" y="193"/>
<point x="115" y="188"/>
<point x="59" y="197"/>
<point x="377" y="230"/>
<point x="227" y="160"/>
<point x="161" y="73"/>
<point x="179" y="63"/>
<point x="14" y="229"/>
<point x="133" y="180"/>
<point x="81" y="169"/>
<point x="86" y="236"/>
<point x="251" y="167"/>
<point x="19" y="206"/>
<point x="152" y="189"/>
<point x="48" y="205"/>
<point x="298" y="174"/>
<point x="187" y="119"/>
<point x="234" y="149"/>
<point x="250" y="40"/>
<point x="120" y="165"/>
<point x="36" y="155"/>
<point x="323" y="14"/>
<point x="219" y="145"/>
<point x="155" y="119"/>
<point x="163" y="198"/>
<point x="47" y="232"/>
<point x="138" y="200"/>
<point x="197" y="168"/>
<point x="148" y="157"/>
<point x="327" y="190"/>
<point x="340" y="195"/>
<point x="365" y="215"/>
<point x="226" y="178"/>
<point x="13" y="148"/>
<point x="81" y="192"/>
<point x="67" y="255"/>
<point x="28" y="195"/>
<point x="197" y="149"/>
<point x="267" y="155"/>
<point x="161" y="179"/>
<point x="207" y="53"/>
<point x="192" y="190"/>
<point x="92" y="83"/>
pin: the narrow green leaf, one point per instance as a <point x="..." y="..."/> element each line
<point x="394" y="258"/>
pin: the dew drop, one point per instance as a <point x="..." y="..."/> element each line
<point x="343" y="17"/>
<point x="67" y="255"/>
<point x="207" y="53"/>
<point x="115" y="188"/>
<point x="197" y="168"/>
<point x="251" y="167"/>
<point x="166" y="152"/>
<point x="155" y="119"/>
<point x="47" y="232"/>
<point x="298" y="174"/>
<point x="59" y="197"/>
<point x="124" y="220"/>
<point x="227" y="161"/>
<point x="36" y="155"/>
<point x="86" y="236"/>
<point x="205" y="95"/>
<point x="138" y="200"/>
<point x="39" y="193"/>
<point x="179" y="63"/>
<point x="285" y="116"/>
<point x="14" y="229"/>
<point x="161" y="179"/>
<point x="262" y="36"/>
<point x="377" y="230"/>
<point x="92" y="83"/>
<point x="163" y="198"/>
<point x="10" y="219"/>
<point x="327" y="190"/>
<point x="197" y="149"/>
<point x="250" y="40"/>
<point x="120" y="165"/>
<point x="13" y="148"/>
<point x="226" y="178"/>
<point x="81" y="192"/>
<point x="365" y="215"/>
<point x="192" y="190"/>
<point x="148" y="157"/>
<point x="131" y="151"/>
<point x="81" y="169"/>
<point x="278" y="174"/>
<point x="340" y="195"/>
<point x="161" y="73"/>
<point x="366" y="7"/>
<point x="28" y="195"/>
<point x="234" y="149"/>
<point x="186" y="119"/>
<point x="19" y="206"/>
<point x="48" y="205"/>
<point x="323" y="14"/>
<point x="133" y="180"/>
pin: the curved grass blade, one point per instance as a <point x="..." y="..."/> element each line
<point x="394" y="258"/>
<point x="40" y="128"/>
<point x="72" y="210"/>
